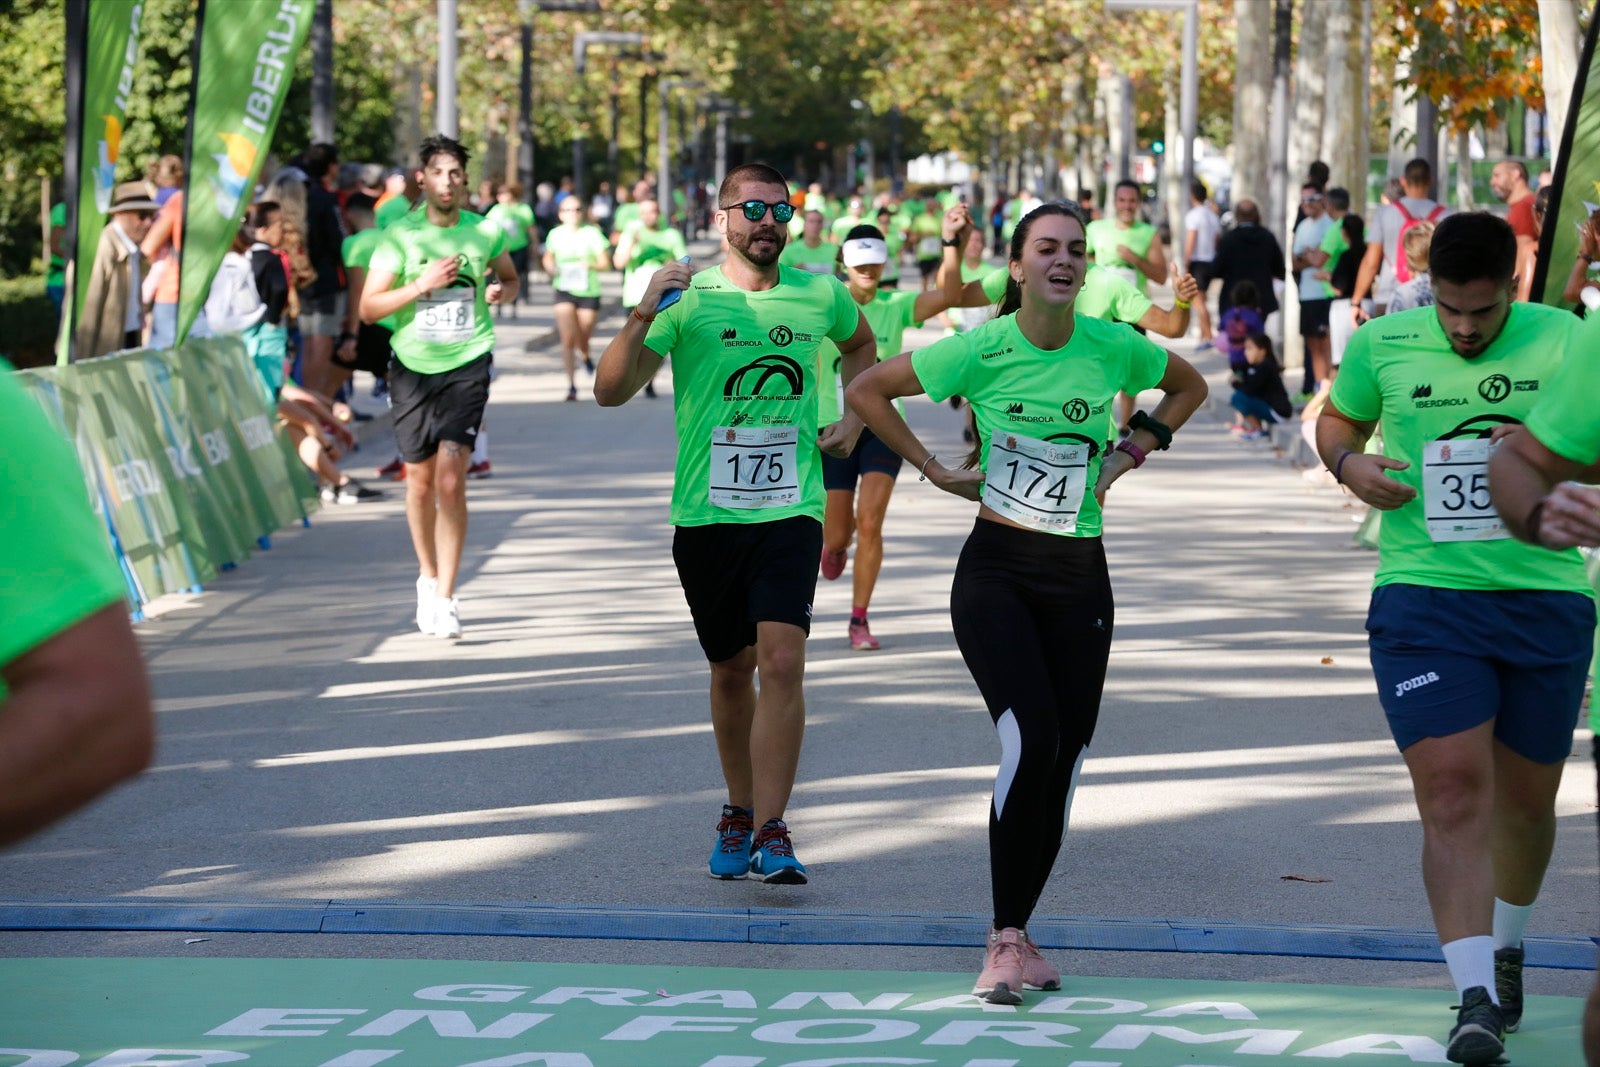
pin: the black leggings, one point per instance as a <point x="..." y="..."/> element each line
<point x="1033" y="615"/>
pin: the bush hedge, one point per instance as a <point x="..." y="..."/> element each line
<point x="27" y="322"/>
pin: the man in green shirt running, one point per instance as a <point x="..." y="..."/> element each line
<point x="1126" y="244"/>
<point x="1480" y="644"/>
<point x="811" y="252"/>
<point x="747" y="498"/>
<point x="429" y="274"/>
<point x="1541" y="482"/>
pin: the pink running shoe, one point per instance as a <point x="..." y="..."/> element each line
<point x="1036" y="973"/>
<point x="861" y="639"/>
<point x="832" y="563"/>
<point x="1000" y="981"/>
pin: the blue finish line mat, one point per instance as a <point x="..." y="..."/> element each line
<point x="439" y="1013"/>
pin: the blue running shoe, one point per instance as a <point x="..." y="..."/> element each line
<point x="772" y="856"/>
<point x="730" y="855"/>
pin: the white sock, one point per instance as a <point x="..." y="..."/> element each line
<point x="480" y="445"/>
<point x="1509" y="922"/>
<point x="1471" y="963"/>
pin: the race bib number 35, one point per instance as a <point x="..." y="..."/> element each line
<point x="1455" y="492"/>
<point x="754" y="467"/>
<point x="1036" y="483"/>
<point x="446" y="316"/>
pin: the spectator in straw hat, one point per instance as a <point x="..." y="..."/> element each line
<point x="112" y="317"/>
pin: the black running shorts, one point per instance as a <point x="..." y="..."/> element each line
<point x="429" y="409"/>
<point x="736" y="574"/>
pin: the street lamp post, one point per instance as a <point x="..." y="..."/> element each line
<point x="664" y="86"/>
<point x="445" y="115"/>
<point x="1189" y="80"/>
<point x="525" y="147"/>
<point x="581" y="43"/>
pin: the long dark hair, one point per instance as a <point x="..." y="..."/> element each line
<point x="1012" y="300"/>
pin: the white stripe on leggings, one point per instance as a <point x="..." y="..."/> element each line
<point x="1010" y="756"/>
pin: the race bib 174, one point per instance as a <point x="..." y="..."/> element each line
<point x="1036" y="483"/>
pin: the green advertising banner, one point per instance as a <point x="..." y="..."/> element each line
<point x="1575" y="190"/>
<point x="108" y="53"/>
<point x="444" y="1013"/>
<point x="244" y="62"/>
<point x="199" y="461"/>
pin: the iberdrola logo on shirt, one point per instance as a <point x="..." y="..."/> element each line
<point x="770" y="377"/>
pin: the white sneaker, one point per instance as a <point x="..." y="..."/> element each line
<point x="425" y="599"/>
<point x="446" y="617"/>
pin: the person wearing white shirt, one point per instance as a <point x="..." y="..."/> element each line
<point x="1201" y="230"/>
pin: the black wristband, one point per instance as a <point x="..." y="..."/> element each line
<point x="954" y="242"/>
<point x="1338" y="468"/>
<point x="1156" y="428"/>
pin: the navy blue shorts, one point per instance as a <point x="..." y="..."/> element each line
<point x="870" y="456"/>
<point x="1447" y="660"/>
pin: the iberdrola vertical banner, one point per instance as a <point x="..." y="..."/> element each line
<point x="1575" y="190"/>
<point x="244" y="60"/>
<point x="102" y="50"/>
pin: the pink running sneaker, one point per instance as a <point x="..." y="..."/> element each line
<point x="1036" y="973"/>
<point x="861" y="639"/>
<point x="1000" y="981"/>
<point x="833" y="563"/>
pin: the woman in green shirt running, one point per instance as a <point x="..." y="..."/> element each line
<point x="872" y="466"/>
<point x="574" y="256"/>
<point x="1031" y="598"/>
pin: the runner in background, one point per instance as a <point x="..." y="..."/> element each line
<point x="1201" y="228"/>
<point x="894" y="238"/>
<point x="575" y="253"/>
<point x="428" y="274"/>
<point x="515" y="217"/>
<point x="811" y="252"/>
<point x="859" y="485"/>
<point x="924" y="234"/>
<point x="1131" y="249"/>
<point x="646" y="246"/>
<point x="1031" y="600"/>
<point x="747" y="497"/>
<point x="1480" y="645"/>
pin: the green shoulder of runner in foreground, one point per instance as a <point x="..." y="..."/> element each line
<point x="746" y="362"/>
<point x="1437" y="411"/>
<point x="56" y="566"/>
<point x="1566" y="419"/>
<point x="451" y="327"/>
<point x="1059" y="396"/>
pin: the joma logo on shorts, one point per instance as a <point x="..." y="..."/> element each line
<point x="1415" y="683"/>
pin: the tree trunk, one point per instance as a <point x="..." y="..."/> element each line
<point x="1359" y="78"/>
<point x="1253" y="87"/>
<point x="1310" y="84"/>
<point x="1336" y="138"/>
<point x="1559" y="47"/>
<point x="1464" y="201"/>
<point x="1278" y="119"/>
<point x="1402" y="118"/>
<point x="1171" y="162"/>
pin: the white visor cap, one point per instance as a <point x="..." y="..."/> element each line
<point x="864" y="251"/>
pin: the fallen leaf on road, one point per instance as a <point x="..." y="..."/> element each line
<point x="1302" y="878"/>
<point x="1327" y="661"/>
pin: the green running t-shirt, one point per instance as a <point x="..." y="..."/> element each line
<point x="392" y="211"/>
<point x="1335" y="245"/>
<point x="574" y="249"/>
<point x="801" y="256"/>
<point x="888" y="313"/>
<point x="56" y="566"/>
<point x="1437" y="410"/>
<point x="651" y="250"/>
<point x="1104" y="295"/>
<point x="514" y="218"/>
<point x="1060" y="396"/>
<point x="448" y="328"/>
<point x="1103" y="237"/>
<point x="1566" y="420"/>
<point x="744" y="371"/>
<point x="57" y="274"/>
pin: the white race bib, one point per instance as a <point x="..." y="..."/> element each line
<point x="572" y="277"/>
<point x="446" y="316"/>
<point x="754" y="467"/>
<point x="817" y="268"/>
<point x="633" y="289"/>
<point x="930" y="248"/>
<point x="1036" y="483"/>
<point x="1455" y="492"/>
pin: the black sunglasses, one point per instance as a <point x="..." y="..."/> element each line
<point x="756" y="210"/>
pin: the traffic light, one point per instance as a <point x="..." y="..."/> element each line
<point x="1158" y="148"/>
